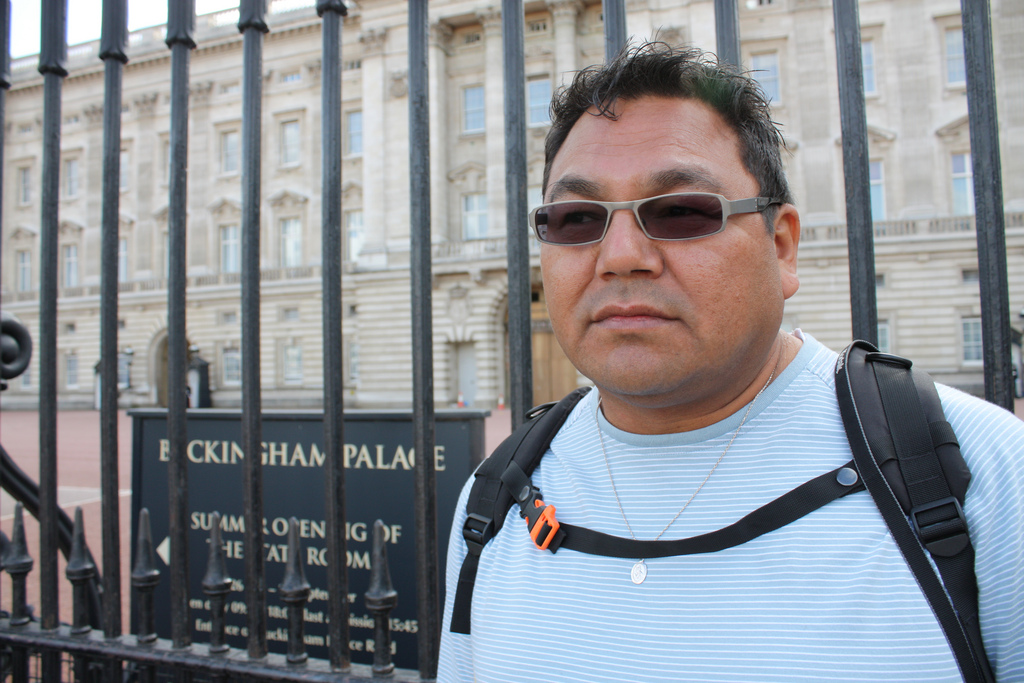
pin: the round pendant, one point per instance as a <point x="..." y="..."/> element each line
<point x="639" y="572"/>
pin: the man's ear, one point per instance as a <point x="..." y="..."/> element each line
<point x="787" y="239"/>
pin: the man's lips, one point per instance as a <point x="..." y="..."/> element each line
<point x="630" y="316"/>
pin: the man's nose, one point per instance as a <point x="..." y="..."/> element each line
<point x="625" y="249"/>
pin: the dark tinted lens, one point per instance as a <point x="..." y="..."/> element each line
<point x="571" y="222"/>
<point x="681" y="216"/>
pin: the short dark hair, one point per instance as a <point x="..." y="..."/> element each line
<point x="660" y="70"/>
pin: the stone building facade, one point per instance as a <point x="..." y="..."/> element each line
<point x="922" y="197"/>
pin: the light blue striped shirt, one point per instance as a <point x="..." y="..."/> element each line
<point x="827" y="597"/>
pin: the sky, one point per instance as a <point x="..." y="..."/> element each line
<point x="84" y="20"/>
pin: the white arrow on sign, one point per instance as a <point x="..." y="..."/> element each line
<point x="164" y="551"/>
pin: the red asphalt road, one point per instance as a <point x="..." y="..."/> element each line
<point x="78" y="485"/>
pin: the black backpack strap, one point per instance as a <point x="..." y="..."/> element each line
<point x="911" y="465"/>
<point x="489" y="499"/>
<point x="787" y="508"/>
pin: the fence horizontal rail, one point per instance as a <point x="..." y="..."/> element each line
<point x="196" y="658"/>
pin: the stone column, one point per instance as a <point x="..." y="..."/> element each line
<point x="441" y="133"/>
<point x="374" y="83"/>
<point x="494" y="104"/>
<point x="564" y="14"/>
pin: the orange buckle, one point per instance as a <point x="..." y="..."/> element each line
<point x="546" y="518"/>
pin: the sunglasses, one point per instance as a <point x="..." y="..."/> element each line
<point x="680" y="216"/>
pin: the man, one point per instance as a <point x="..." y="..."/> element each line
<point x="704" y="411"/>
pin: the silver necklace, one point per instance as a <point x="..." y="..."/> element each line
<point x="638" y="573"/>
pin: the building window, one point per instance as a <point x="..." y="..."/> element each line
<point x="474" y="216"/>
<point x="353" y="360"/>
<point x="24" y="270"/>
<point x="963" y="185"/>
<point x="473" y="109"/>
<point x="289" y="314"/>
<point x="122" y="260"/>
<point x="70" y="328"/>
<point x="124" y="367"/>
<point x="970" y="276"/>
<point x="69" y="254"/>
<point x="230" y="259"/>
<point x="355" y="237"/>
<point x="70" y="178"/>
<point x="867" y="62"/>
<point x="292" y="358"/>
<point x="877" y="190"/>
<point x="290" y="142"/>
<point x="232" y="370"/>
<point x="24" y="185"/>
<point x="291" y="243"/>
<point x="124" y="170"/>
<point x="291" y="77"/>
<point x="970" y="329"/>
<point x="26" y="378"/>
<point x="229" y="151"/>
<point x="229" y="318"/>
<point x="883" y="336"/>
<point x="538" y="97"/>
<point x="354" y="133"/>
<point x="956" y="73"/>
<point x="71" y="370"/>
<point x="766" y="71"/>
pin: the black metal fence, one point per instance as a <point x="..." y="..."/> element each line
<point x="94" y="646"/>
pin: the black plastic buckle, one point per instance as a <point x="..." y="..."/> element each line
<point x="477" y="530"/>
<point x="944" y="535"/>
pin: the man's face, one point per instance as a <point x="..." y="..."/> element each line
<point x="656" y="323"/>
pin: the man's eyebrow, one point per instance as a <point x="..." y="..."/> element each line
<point x="657" y="182"/>
<point x="661" y="182"/>
<point x="574" y="185"/>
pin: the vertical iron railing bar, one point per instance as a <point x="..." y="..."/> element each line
<point x="294" y="593"/>
<point x="180" y="27"/>
<point x="252" y="25"/>
<point x="81" y="571"/>
<point x="381" y="597"/>
<point x="853" y="122"/>
<point x="513" y="23"/>
<point x="5" y="84"/>
<point x="217" y="586"/>
<point x="331" y="13"/>
<point x="988" y="201"/>
<point x="615" y="35"/>
<point x="727" y="32"/>
<point x="52" y="61"/>
<point x="18" y="564"/>
<point x="112" y="51"/>
<point x="424" y="435"/>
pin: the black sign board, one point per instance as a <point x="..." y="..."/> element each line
<point x="379" y="462"/>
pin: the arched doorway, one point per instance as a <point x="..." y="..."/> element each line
<point x="158" y="354"/>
